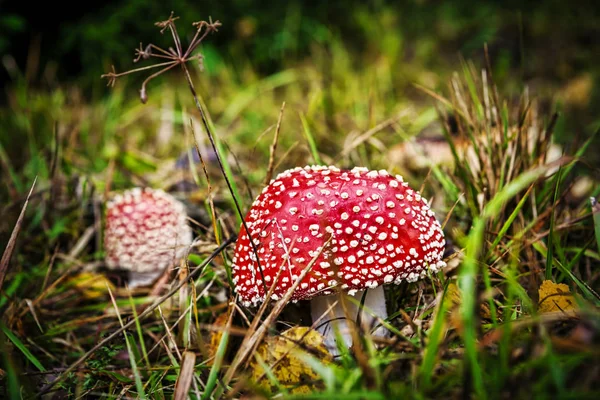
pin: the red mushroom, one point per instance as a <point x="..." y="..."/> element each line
<point x="146" y="231"/>
<point x="365" y="228"/>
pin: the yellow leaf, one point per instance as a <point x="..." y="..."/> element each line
<point x="91" y="285"/>
<point x="281" y="355"/>
<point x="555" y="297"/>
<point x="454" y="297"/>
<point x="216" y="335"/>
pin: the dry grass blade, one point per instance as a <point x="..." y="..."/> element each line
<point x="254" y="337"/>
<point x="209" y="188"/>
<point x="596" y="216"/>
<point x="439" y="98"/>
<point x="10" y="247"/>
<point x="186" y="376"/>
<point x="143" y="314"/>
<point x="273" y="148"/>
<point x="373" y="131"/>
<point x="494" y="336"/>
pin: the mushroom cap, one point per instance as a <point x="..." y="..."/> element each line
<point x="146" y="230"/>
<point x="365" y="228"/>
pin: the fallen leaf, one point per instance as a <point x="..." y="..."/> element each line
<point x="216" y="335"/>
<point x="578" y="91"/>
<point x="91" y="285"/>
<point x="281" y="355"/>
<point x="454" y="296"/>
<point x="555" y="297"/>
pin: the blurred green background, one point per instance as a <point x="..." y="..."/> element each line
<point x="554" y="40"/>
<point x="53" y="56"/>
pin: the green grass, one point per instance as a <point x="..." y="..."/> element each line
<point x="512" y="222"/>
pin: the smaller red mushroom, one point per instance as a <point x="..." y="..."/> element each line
<point x="146" y="231"/>
<point x="362" y="228"/>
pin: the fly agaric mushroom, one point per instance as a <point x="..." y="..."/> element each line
<point x="146" y="231"/>
<point x="363" y="228"/>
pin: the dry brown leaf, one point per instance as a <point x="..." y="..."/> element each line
<point x="555" y="297"/>
<point x="281" y="354"/>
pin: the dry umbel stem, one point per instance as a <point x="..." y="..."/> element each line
<point x="173" y="57"/>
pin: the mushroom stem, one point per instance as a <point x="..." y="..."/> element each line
<point x="337" y="319"/>
<point x="140" y="279"/>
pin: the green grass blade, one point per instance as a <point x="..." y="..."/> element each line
<point x="235" y="193"/>
<point x="311" y="140"/>
<point x="588" y="292"/>
<point x="5" y="161"/>
<point x="326" y="372"/>
<point x="511" y="218"/>
<point x="550" y="255"/>
<point x="131" y="345"/>
<point x="270" y="375"/>
<point x="138" y="328"/>
<point x="130" y="342"/>
<point x="21" y="346"/>
<point x="489" y="288"/>
<point x="434" y="339"/>
<point x="216" y="367"/>
<point x="469" y="271"/>
<point x="245" y="98"/>
<point x="467" y="283"/>
<point x="11" y="380"/>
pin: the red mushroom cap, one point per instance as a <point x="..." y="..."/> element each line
<point x="146" y="230"/>
<point x="370" y="228"/>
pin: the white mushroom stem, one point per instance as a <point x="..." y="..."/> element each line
<point x="340" y="320"/>
<point x="140" y="279"/>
